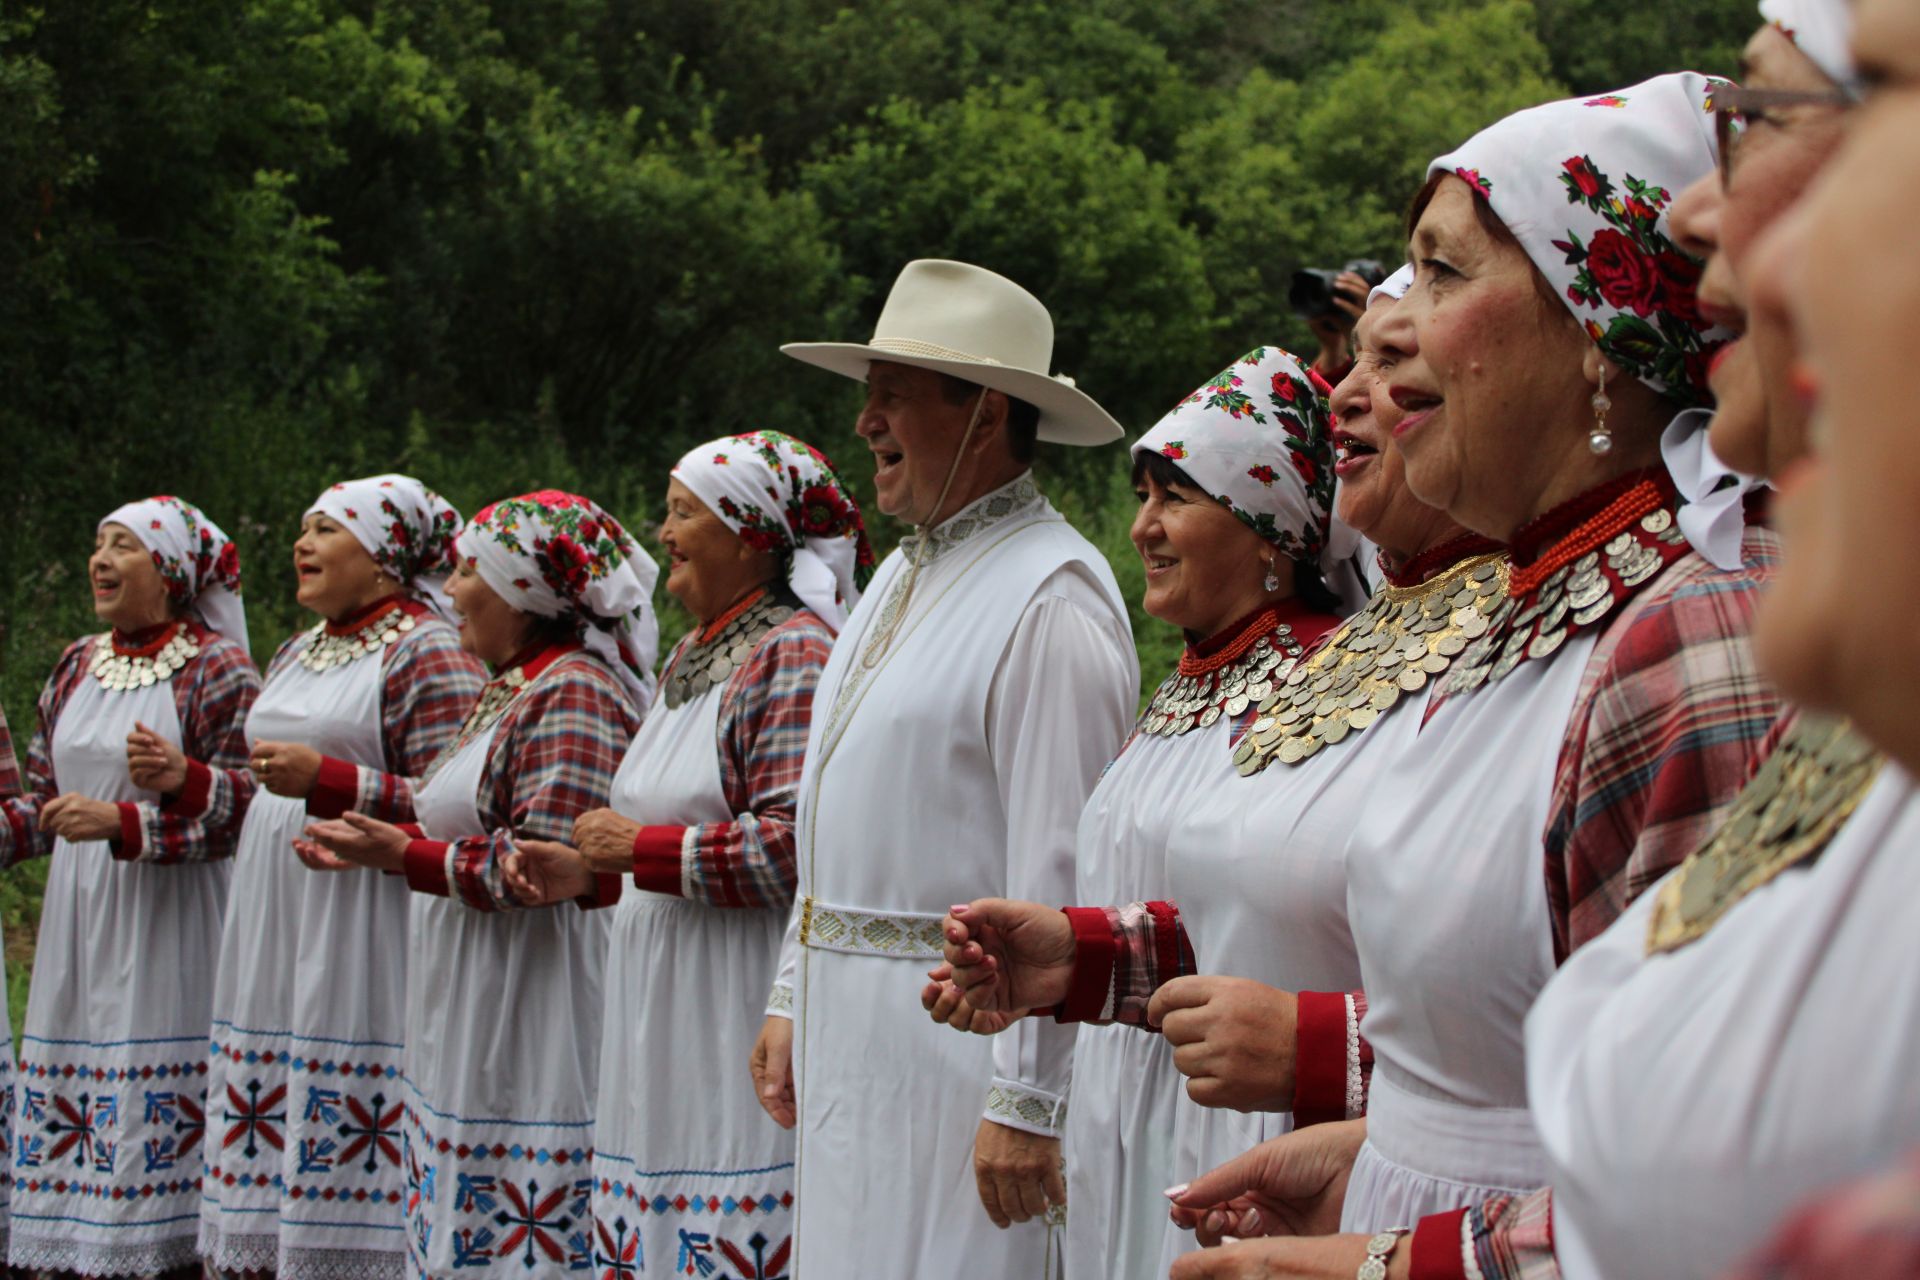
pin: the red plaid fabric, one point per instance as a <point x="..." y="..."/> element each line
<point x="765" y="711"/>
<point x="212" y="695"/>
<point x="9" y="763"/>
<point x="552" y="758"/>
<point x="1669" y="720"/>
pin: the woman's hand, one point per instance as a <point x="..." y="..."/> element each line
<point x="155" y="764"/>
<point x="948" y="1004"/>
<point x="543" y="872"/>
<point x="1009" y="956"/>
<point x="74" y="818"/>
<point x="355" y="838"/>
<point x="286" y="768"/>
<point x="1293" y="1185"/>
<point x="1316" y="1258"/>
<point x="1233" y="1038"/>
<point x="605" y="840"/>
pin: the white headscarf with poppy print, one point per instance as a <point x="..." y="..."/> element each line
<point x="406" y="527"/>
<point x="198" y="562"/>
<point x="558" y="555"/>
<point x="781" y="495"/>
<point x="1585" y="185"/>
<point x="1823" y="30"/>
<point x="1257" y="437"/>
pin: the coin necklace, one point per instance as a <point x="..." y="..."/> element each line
<point x="326" y="649"/>
<point x="1201" y="690"/>
<point x="706" y="663"/>
<point x="1582" y="580"/>
<point x="1784" y="817"/>
<point x="120" y="672"/>
<point x="495" y="698"/>
<point x="1404" y="637"/>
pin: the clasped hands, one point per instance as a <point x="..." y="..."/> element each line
<point x="542" y="872"/>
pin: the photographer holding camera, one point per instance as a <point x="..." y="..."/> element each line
<point x="1332" y="302"/>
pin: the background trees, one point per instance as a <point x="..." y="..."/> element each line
<point x="248" y="248"/>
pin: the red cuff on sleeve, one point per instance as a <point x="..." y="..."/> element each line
<point x="426" y="867"/>
<point x="127" y="847"/>
<point x="335" y="789"/>
<point x="1436" y="1247"/>
<point x="1320" y="1058"/>
<point x="605" y="892"/>
<point x="194" y="793"/>
<point x="656" y="859"/>
<point x="414" y="830"/>
<point x="1093" y="955"/>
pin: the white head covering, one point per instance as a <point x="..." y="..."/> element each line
<point x="1823" y="29"/>
<point x="558" y="555"/>
<point x="200" y="564"/>
<point x="1394" y="286"/>
<point x="1256" y="437"/>
<point x="782" y="495"/>
<point x="406" y="527"/>
<point x="1585" y="185"/>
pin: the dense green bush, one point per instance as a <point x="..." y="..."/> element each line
<point x="248" y="249"/>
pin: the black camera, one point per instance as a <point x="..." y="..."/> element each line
<point x="1312" y="292"/>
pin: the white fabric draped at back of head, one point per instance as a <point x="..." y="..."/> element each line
<point x="1256" y="436"/>
<point x="199" y="563"/>
<point x="558" y="555"/>
<point x="406" y="527"/>
<point x="781" y="495"/>
<point x="1585" y="186"/>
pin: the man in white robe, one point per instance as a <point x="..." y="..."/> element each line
<point x="970" y="704"/>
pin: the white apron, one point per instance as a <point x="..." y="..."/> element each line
<point x="1119" y="1137"/>
<point x="1448" y="902"/>
<point x="688" y="1170"/>
<point x="501" y="1063"/>
<point x="112" y="1085"/>
<point x="313" y="1190"/>
<point x="1688" y="1101"/>
<point x="1258" y="866"/>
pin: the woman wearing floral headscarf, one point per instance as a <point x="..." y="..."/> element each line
<point x="1546" y="354"/>
<point x="312" y="968"/>
<point x="769" y="554"/>
<point x="109" y="1122"/>
<point x="502" y="996"/>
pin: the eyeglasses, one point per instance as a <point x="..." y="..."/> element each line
<point x="1733" y="106"/>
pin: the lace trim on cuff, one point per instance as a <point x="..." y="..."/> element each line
<point x="1019" y="1107"/>
<point x="780" y="1001"/>
<point x="1356" y="1085"/>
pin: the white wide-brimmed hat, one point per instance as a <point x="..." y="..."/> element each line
<point x="980" y="327"/>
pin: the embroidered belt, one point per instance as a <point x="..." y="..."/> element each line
<point x="875" y="933"/>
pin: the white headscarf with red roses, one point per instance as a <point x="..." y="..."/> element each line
<point x="1823" y="29"/>
<point x="198" y="562"/>
<point x="558" y="555"/>
<point x="406" y="527"/>
<point x="1257" y="437"/>
<point x="782" y="495"/>
<point x="1585" y="185"/>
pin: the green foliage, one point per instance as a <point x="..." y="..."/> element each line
<point x="247" y="249"/>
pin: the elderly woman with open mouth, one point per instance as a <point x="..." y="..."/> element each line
<point x="502" y="994"/>
<point x="111" y="1101"/>
<point x="313" y="968"/>
<point x="769" y="553"/>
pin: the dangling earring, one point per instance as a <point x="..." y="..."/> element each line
<point x="1272" y="581"/>
<point x="1601" y="439"/>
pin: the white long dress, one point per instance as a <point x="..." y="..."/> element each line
<point x="954" y="767"/>
<point x="1687" y="1101"/>
<point x="501" y="1064"/>
<point x="676" y="1185"/>
<point x="111" y="1089"/>
<point x="1447" y="901"/>
<point x="308" y="1015"/>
